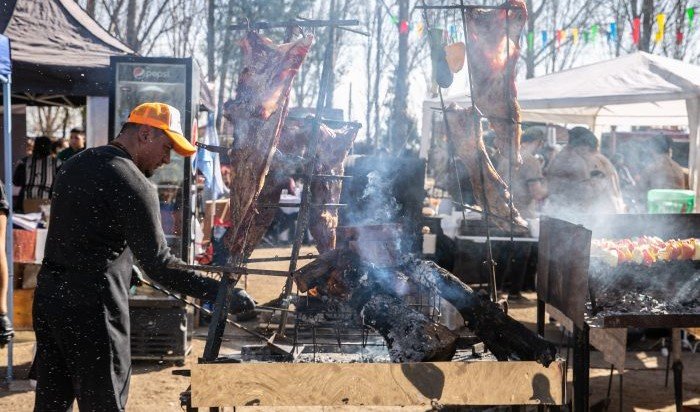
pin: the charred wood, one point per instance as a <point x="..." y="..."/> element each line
<point x="503" y="336"/>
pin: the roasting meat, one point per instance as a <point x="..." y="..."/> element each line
<point x="494" y="49"/>
<point x="471" y="151"/>
<point x="285" y="162"/>
<point x="645" y="250"/>
<point x="257" y="113"/>
<point x="333" y="148"/>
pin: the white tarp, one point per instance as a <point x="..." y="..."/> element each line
<point x="638" y="89"/>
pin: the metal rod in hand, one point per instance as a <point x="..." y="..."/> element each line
<point x="205" y="310"/>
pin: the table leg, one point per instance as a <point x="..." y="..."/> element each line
<point x="581" y="368"/>
<point x="677" y="369"/>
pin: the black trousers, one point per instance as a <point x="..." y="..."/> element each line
<point x="79" y="358"/>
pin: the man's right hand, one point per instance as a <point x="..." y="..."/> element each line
<point x="241" y="302"/>
<point x="6" y="331"/>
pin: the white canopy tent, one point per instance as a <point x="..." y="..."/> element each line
<point x="639" y="89"/>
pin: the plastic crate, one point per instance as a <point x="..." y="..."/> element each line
<point x="161" y="329"/>
<point x="670" y="201"/>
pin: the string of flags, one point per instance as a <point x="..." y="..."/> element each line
<point x="453" y="32"/>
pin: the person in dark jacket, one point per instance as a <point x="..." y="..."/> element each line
<point x="105" y="213"/>
<point x="35" y="176"/>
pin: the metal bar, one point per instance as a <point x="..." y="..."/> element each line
<point x="279" y="258"/>
<point x="219" y="318"/>
<point x="341" y="28"/>
<point x="303" y="217"/>
<point x="213" y="148"/>
<point x="676" y="349"/>
<point x="7" y="158"/>
<point x="465" y="7"/>
<point x="260" y="25"/>
<point x="274" y="205"/>
<point x="233" y="270"/>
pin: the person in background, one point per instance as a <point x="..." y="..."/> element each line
<point x="17" y="188"/>
<point x="58" y="145"/>
<point x="6" y="331"/>
<point x="76" y="144"/>
<point x="528" y="181"/>
<point x="528" y="190"/>
<point x="628" y="185"/>
<point x="661" y="172"/>
<point x="580" y="180"/>
<point x="36" y="177"/>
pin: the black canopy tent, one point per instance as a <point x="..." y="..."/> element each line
<point x="60" y="54"/>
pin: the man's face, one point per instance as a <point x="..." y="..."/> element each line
<point x="77" y="141"/>
<point x="155" y="150"/>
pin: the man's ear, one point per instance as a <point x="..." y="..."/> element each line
<point x="143" y="132"/>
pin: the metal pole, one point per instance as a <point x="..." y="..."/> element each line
<point x="7" y="158"/>
<point x="303" y="215"/>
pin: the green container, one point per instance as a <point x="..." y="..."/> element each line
<point x="670" y="201"/>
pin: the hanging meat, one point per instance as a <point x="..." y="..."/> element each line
<point x="257" y="113"/>
<point x="490" y="190"/>
<point x="333" y="148"/>
<point x="286" y="160"/>
<point x="493" y="52"/>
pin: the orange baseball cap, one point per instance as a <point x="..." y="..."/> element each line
<point x="166" y="118"/>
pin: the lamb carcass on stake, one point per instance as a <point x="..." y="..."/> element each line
<point x="333" y="148"/>
<point x="493" y="52"/>
<point x="286" y="160"/>
<point x="471" y="151"/>
<point x="257" y="113"/>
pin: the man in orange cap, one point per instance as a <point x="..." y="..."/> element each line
<point x="105" y="213"/>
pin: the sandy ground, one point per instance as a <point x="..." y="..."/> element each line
<point x="154" y="387"/>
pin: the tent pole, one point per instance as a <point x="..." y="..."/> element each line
<point x="7" y="141"/>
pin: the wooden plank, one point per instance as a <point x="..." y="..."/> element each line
<point x="348" y="384"/>
<point x="636" y="320"/>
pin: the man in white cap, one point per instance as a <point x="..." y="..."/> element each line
<point x="105" y="213"/>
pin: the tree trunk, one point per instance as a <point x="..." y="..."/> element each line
<point x="223" y="67"/>
<point x="377" y="75"/>
<point x="90" y="8"/>
<point x="368" y="69"/>
<point x="332" y="14"/>
<point x="131" y="35"/>
<point x="211" y="41"/>
<point x="530" y="55"/>
<point x="647" y="25"/>
<point x="399" y="124"/>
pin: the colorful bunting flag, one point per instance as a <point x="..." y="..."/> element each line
<point x="636" y="29"/>
<point x="544" y="38"/>
<point x="594" y="32"/>
<point x="690" y="12"/>
<point x="661" y="24"/>
<point x="679" y="36"/>
<point x="586" y="35"/>
<point x="403" y="27"/>
<point x="612" y="33"/>
<point x="453" y="32"/>
<point x="574" y="35"/>
<point x="531" y="40"/>
<point x="419" y="28"/>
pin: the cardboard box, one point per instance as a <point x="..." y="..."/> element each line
<point x="24" y="245"/>
<point x="23" y="301"/>
<point x="213" y="208"/>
